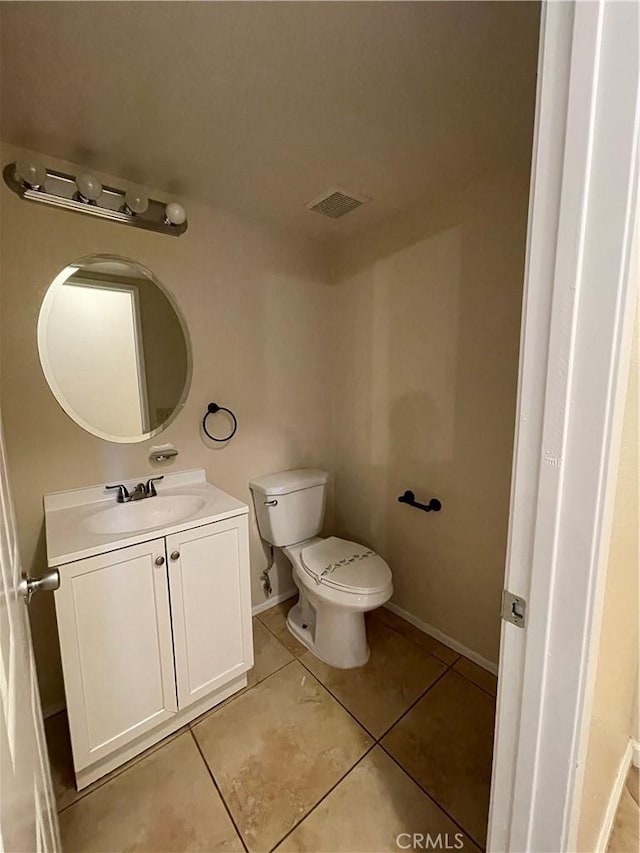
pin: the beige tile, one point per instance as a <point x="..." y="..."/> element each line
<point x="166" y="802"/>
<point x="61" y="761"/>
<point x="625" y="835"/>
<point x="373" y="805"/>
<point x="420" y="638"/>
<point x="275" y="619"/>
<point x="379" y="692"/>
<point x="277" y="750"/>
<point x="445" y="742"/>
<point x="480" y="676"/>
<point x="633" y="784"/>
<point x="269" y="654"/>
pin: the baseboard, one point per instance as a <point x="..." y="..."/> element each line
<point x="614" y="797"/>
<point x="443" y="638"/>
<point x="273" y="600"/>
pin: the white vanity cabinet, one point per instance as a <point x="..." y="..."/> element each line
<point x="114" y="625"/>
<point x="152" y="634"/>
<point x="210" y="639"/>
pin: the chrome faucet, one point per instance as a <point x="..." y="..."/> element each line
<point x="140" y="492"/>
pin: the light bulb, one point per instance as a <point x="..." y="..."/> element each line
<point x="89" y="187"/>
<point x="31" y="173"/>
<point x="136" y="202"/>
<point x="175" y="213"/>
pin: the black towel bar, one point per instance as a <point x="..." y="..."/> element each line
<point x="409" y="498"/>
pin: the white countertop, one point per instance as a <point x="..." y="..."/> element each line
<point x="66" y="513"/>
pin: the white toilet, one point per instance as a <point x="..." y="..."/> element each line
<point x="339" y="581"/>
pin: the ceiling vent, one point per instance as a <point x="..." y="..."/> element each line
<point x="337" y="202"/>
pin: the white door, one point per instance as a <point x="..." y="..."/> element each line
<point x="90" y="340"/>
<point x="576" y="338"/>
<point x="28" y="820"/>
<point x="117" y="653"/>
<point x="210" y="603"/>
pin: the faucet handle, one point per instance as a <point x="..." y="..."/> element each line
<point x="150" y="489"/>
<point x="123" y="494"/>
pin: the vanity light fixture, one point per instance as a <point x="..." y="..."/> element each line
<point x="135" y="203"/>
<point x="175" y="214"/>
<point x="89" y="188"/>
<point x="31" y="173"/>
<point x="84" y="193"/>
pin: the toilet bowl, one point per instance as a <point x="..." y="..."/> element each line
<point x="338" y="580"/>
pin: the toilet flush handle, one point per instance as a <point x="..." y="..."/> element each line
<point x="271" y="503"/>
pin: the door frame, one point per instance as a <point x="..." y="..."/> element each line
<point x="576" y="339"/>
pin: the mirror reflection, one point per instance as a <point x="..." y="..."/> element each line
<point x="114" y="348"/>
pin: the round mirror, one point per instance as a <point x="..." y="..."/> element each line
<point x="114" y="348"/>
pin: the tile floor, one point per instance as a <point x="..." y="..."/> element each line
<point x="306" y="758"/>
<point x="625" y="835"/>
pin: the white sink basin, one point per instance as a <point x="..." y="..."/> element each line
<point x="159" y="511"/>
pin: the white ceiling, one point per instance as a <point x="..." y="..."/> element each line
<point x="261" y="106"/>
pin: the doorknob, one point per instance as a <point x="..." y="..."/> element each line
<point x="27" y="586"/>
<point x="175" y="555"/>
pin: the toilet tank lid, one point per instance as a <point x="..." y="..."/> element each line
<point x="288" y="481"/>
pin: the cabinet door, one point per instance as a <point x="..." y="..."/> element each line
<point x="210" y="606"/>
<point x="117" y="654"/>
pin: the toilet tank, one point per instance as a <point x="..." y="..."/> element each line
<point x="290" y="505"/>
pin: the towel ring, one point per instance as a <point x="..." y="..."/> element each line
<point x="212" y="408"/>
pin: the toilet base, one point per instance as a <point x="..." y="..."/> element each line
<point x="335" y="635"/>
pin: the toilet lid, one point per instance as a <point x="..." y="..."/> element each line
<point x="346" y="565"/>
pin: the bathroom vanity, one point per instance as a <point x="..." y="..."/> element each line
<point x="153" y="611"/>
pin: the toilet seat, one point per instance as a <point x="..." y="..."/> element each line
<point x="345" y="566"/>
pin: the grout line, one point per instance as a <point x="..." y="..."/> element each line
<point x="451" y="665"/>
<point x="377" y="738"/>
<point x="324" y="796"/>
<point x="470" y="681"/>
<point x="273" y="634"/>
<point x="431" y="796"/>
<point x="339" y="701"/>
<point x="188" y="727"/>
<point x="264" y="678"/>
<point x="448" y="667"/>
<point x="259" y="616"/>
<point x="221" y="795"/>
<point x="230" y="699"/>
<point x="377" y="741"/>
<point x="411" y="640"/>
<point x="415" y="702"/>
<point x="118" y="771"/>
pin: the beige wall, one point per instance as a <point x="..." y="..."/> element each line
<point x="258" y="307"/>
<point x="391" y="362"/>
<point x="426" y="350"/>
<point x="615" y="703"/>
